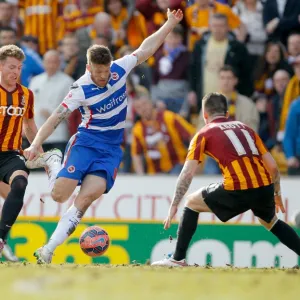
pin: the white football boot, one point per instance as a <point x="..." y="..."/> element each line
<point x="8" y="254"/>
<point x="43" y="256"/>
<point x="51" y="160"/>
<point x="170" y="262"/>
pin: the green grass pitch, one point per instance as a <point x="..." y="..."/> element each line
<point x="26" y="281"/>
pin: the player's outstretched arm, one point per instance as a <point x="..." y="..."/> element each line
<point x="183" y="183"/>
<point x="60" y="114"/>
<point x="30" y="130"/>
<point x="151" y="44"/>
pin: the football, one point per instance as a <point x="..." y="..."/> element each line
<point x="94" y="241"/>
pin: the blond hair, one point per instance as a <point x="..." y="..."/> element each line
<point x="11" y="51"/>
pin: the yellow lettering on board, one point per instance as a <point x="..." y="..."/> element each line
<point x="35" y="235"/>
<point x="116" y="253"/>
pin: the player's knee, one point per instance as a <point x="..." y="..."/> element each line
<point x="18" y="186"/>
<point x="269" y="225"/>
<point x="58" y="196"/>
<point x="191" y="201"/>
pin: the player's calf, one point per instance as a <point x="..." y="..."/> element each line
<point x="13" y="204"/>
<point x="285" y="233"/>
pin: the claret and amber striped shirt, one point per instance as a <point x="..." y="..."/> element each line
<point x="40" y="19"/>
<point x="14" y="106"/>
<point x="162" y="141"/>
<point x="238" y="151"/>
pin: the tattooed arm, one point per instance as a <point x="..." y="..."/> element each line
<point x="184" y="180"/>
<point x="60" y="114"/>
<point x="183" y="183"/>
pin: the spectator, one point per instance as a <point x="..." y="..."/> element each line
<point x="198" y="17"/>
<point x="293" y="46"/>
<point x="240" y="107"/>
<point x="281" y="17"/>
<point x="292" y="92"/>
<point x="250" y="13"/>
<point x="280" y="80"/>
<point x="101" y="40"/>
<point x="72" y="64"/>
<point x="30" y="42"/>
<point x="211" y="53"/>
<point x="272" y="60"/>
<point x="133" y="92"/>
<point x="170" y="71"/>
<point x="7" y="36"/>
<point x="33" y="64"/>
<point x="264" y="130"/>
<point x="130" y="26"/>
<point x="291" y="140"/>
<point x="81" y="17"/>
<point x="102" y="26"/>
<point x="49" y="89"/>
<point x="160" y="137"/>
<point x="141" y="74"/>
<point x="155" y="11"/>
<point x="40" y="20"/>
<point x="8" y="19"/>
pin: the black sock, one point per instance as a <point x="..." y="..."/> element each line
<point x="287" y="236"/>
<point x="12" y="205"/>
<point x="186" y="230"/>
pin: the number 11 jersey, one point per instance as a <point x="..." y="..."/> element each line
<point x="238" y="151"/>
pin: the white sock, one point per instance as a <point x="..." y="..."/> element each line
<point x="65" y="227"/>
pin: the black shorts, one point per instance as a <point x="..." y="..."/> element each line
<point x="11" y="161"/>
<point x="228" y="204"/>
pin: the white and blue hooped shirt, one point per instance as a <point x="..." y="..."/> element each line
<point x="104" y="109"/>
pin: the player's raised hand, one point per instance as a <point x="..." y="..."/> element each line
<point x="175" y="16"/>
<point x="172" y="213"/>
<point x="279" y="204"/>
<point x="31" y="152"/>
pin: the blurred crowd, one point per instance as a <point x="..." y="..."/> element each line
<point x="249" y="50"/>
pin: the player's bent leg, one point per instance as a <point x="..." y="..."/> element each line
<point x="195" y="201"/>
<point x="13" y="203"/>
<point x="268" y="225"/>
<point x="285" y="233"/>
<point x="91" y="189"/>
<point x="63" y="189"/>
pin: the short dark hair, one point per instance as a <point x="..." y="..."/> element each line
<point x="227" y="68"/>
<point x="178" y="30"/>
<point x="215" y="104"/>
<point x="294" y="33"/>
<point x="8" y="28"/>
<point x="99" y="55"/>
<point x="219" y="16"/>
<point x="29" y="39"/>
<point x="106" y="3"/>
<point x="11" y="51"/>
